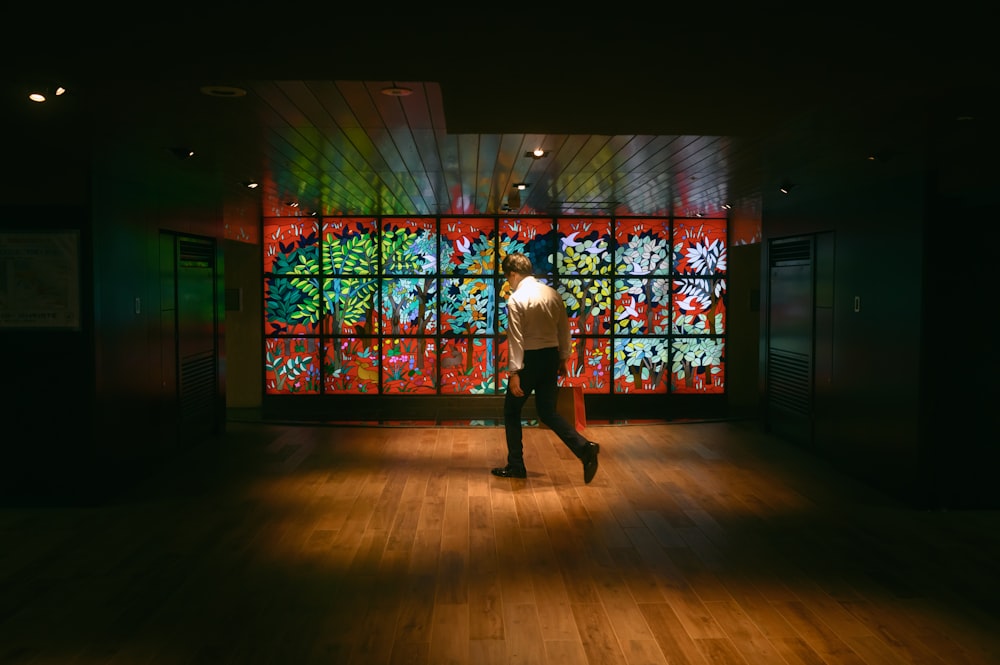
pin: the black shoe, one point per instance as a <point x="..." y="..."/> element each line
<point x="589" y="459"/>
<point x="510" y="472"/>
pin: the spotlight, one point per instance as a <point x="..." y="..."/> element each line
<point x="181" y="153"/>
<point x="521" y="186"/>
<point x="43" y="94"/>
<point x="786" y="187"/>
<point x="537" y="153"/>
<point x="250" y="184"/>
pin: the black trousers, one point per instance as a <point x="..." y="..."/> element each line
<point x="540" y="376"/>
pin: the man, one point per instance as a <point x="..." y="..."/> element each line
<point x="538" y="350"/>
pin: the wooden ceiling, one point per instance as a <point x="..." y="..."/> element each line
<point x="633" y="122"/>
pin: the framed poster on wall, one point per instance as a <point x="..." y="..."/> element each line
<point x="40" y="280"/>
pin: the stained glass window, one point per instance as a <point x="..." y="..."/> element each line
<point x="417" y="305"/>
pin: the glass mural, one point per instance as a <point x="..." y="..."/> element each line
<point x="416" y="305"/>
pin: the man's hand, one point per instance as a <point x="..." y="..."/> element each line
<point x="564" y="368"/>
<point x="515" y="385"/>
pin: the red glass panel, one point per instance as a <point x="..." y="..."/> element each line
<point x="699" y="306"/>
<point x="642" y="306"/>
<point x="290" y="246"/>
<point x="468" y="246"/>
<point x="589" y="365"/>
<point x="699" y="246"/>
<point x="351" y="365"/>
<point x="409" y="365"/>
<point x="291" y="366"/>
<point x="530" y="236"/>
<point x="467" y="365"/>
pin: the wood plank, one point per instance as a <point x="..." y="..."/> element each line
<point x="702" y="543"/>
<point x="598" y="636"/>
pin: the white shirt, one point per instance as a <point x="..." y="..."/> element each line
<point x="536" y="319"/>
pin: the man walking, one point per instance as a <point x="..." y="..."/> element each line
<point x="538" y="350"/>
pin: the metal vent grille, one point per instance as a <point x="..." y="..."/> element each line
<point x="789" y="382"/>
<point x="197" y="396"/>
<point x="792" y="252"/>
<point x="195" y="253"/>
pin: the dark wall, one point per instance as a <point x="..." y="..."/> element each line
<point x="137" y="215"/>
<point x="959" y="353"/>
<point x="46" y="386"/>
<point x="899" y="393"/>
<point x="88" y="412"/>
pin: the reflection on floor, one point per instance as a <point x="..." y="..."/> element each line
<point x="254" y="416"/>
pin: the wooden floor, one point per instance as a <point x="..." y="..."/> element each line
<point x="696" y="543"/>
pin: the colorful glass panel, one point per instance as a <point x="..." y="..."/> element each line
<point x="291" y="246"/>
<point x="640" y="364"/>
<point x="468" y="247"/>
<point x="468" y="365"/>
<point x="395" y="288"/>
<point x="291" y="366"/>
<point x="589" y="365"/>
<point x="534" y="237"/>
<point x="584" y="246"/>
<point x="351" y="365"/>
<point x="409" y="365"/>
<point x="409" y="246"/>
<point x="588" y="304"/>
<point x="467" y="306"/>
<point x="699" y="306"/>
<point x="642" y="246"/>
<point x="642" y="306"/>
<point x="291" y="305"/>
<point x="699" y="247"/>
<point x="349" y="246"/>
<point x="409" y="305"/>
<point x="349" y="306"/>
<point x="697" y="365"/>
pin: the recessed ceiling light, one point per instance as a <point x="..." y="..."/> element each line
<point x="222" y="91"/>
<point x="397" y="91"/>
<point x="537" y="153"/>
<point x="520" y="185"/>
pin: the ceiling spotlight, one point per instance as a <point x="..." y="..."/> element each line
<point x="786" y="187"/>
<point x="250" y="184"/>
<point x="397" y="90"/>
<point x="726" y="206"/>
<point x="41" y="95"/>
<point x="182" y="153"/>
<point x="292" y="204"/>
<point x="537" y="153"/>
<point x="521" y="185"/>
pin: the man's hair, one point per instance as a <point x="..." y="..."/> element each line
<point x="516" y="262"/>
